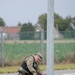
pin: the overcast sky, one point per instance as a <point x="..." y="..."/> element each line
<point x="24" y="11"/>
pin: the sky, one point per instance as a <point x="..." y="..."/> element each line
<point x="24" y="11"/>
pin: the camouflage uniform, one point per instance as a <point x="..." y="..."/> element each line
<point x="29" y="66"/>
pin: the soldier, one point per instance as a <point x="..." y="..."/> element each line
<point x="30" y="65"/>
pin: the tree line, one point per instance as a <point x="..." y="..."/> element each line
<point x="60" y="23"/>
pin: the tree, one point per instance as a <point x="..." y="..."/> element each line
<point x="26" y="31"/>
<point x="19" y="24"/>
<point x="42" y="20"/>
<point x="27" y="27"/>
<point x="2" y="23"/>
<point x="59" y="22"/>
<point x="73" y="21"/>
<point x="67" y="22"/>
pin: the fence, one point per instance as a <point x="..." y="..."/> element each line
<point x="19" y="45"/>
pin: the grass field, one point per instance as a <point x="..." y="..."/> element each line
<point x="14" y="69"/>
<point x="16" y="52"/>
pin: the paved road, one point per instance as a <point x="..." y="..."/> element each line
<point x="56" y="72"/>
<point x="64" y="72"/>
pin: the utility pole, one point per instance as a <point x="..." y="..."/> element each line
<point x="50" y="38"/>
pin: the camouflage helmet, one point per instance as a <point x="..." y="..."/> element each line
<point x="40" y="56"/>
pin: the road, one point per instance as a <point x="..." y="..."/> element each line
<point x="64" y="72"/>
<point x="56" y="72"/>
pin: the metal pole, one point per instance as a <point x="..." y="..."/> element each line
<point x="50" y="38"/>
<point x="42" y="39"/>
<point x="73" y="27"/>
<point x="2" y="47"/>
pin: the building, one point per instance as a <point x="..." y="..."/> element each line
<point x="11" y="32"/>
<point x="57" y="33"/>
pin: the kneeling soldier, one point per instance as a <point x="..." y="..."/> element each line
<point x="30" y="65"/>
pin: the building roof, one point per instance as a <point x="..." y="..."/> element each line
<point x="12" y="29"/>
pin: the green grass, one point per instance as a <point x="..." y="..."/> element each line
<point x="64" y="66"/>
<point x="62" y="50"/>
<point x="16" y="52"/>
<point x="14" y="69"/>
